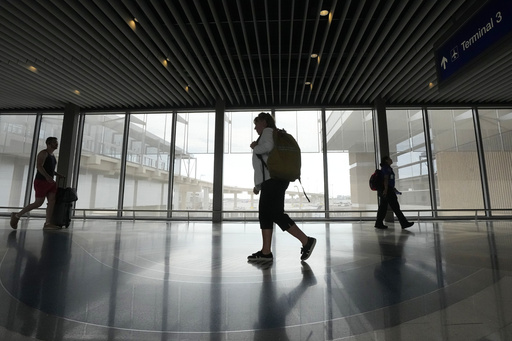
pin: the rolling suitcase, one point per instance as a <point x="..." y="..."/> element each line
<point x="62" y="213"/>
<point x="63" y="206"/>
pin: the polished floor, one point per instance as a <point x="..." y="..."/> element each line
<point x="148" y="280"/>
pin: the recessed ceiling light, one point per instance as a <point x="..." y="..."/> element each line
<point x="431" y="85"/>
<point x="307" y="83"/>
<point x="135" y="19"/>
<point x="132" y="24"/>
<point x="76" y="92"/>
<point x="314" y="55"/>
<point x="31" y="68"/>
<point x="324" y="12"/>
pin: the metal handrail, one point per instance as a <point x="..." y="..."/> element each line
<point x="245" y="215"/>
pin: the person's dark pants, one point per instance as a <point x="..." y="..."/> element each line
<point x="392" y="201"/>
<point x="271" y="205"/>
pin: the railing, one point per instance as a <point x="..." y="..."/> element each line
<point x="369" y="215"/>
<point x="301" y="215"/>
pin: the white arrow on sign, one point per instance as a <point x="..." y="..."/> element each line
<point x="443" y="62"/>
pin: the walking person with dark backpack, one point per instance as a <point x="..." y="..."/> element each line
<point x="387" y="196"/>
<point x="271" y="203"/>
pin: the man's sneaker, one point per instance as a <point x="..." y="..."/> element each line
<point x="260" y="257"/>
<point x="308" y="248"/>
<point x="408" y="224"/>
<point x="14" y="220"/>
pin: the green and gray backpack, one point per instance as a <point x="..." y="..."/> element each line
<point x="284" y="160"/>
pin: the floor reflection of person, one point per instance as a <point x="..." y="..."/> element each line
<point x="272" y="310"/>
<point x="389" y="274"/>
<point x="25" y="282"/>
<point x="42" y="285"/>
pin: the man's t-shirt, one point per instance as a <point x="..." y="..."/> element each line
<point x="386" y="170"/>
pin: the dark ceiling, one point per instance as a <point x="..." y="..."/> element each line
<point x="249" y="53"/>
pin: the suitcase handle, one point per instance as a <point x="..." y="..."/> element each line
<point x="61" y="179"/>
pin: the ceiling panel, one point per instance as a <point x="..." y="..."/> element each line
<point x="248" y="53"/>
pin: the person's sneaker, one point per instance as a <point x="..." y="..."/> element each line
<point x="408" y="224"/>
<point x="48" y="226"/>
<point x="308" y="248"/>
<point x="14" y="220"/>
<point x="260" y="257"/>
<point x="381" y="226"/>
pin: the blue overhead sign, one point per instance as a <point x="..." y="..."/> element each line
<point x="484" y="29"/>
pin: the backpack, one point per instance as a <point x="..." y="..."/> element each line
<point x="284" y="160"/>
<point x="67" y="195"/>
<point x="376" y="181"/>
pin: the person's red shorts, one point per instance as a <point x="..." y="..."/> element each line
<point x="43" y="187"/>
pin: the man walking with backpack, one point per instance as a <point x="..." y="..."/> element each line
<point x="387" y="194"/>
<point x="271" y="204"/>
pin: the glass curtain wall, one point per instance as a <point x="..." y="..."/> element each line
<point x="457" y="174"/>
<point x="496" y="129"/>
<point x="306" y="127"/>
<point x="147" y="164"/>
<point x="238" y="175"/>
<point x="350" y="161"/>
<point x="51" y="125"/>
<point x="16" y="138"/>
<point x="193" y="164"/>
<point x="100" y="163"/>
<point x="408" y="152"/>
